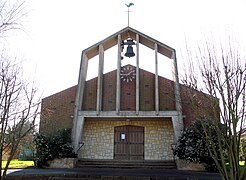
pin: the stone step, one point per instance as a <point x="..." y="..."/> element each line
<point x="150" y="164"/>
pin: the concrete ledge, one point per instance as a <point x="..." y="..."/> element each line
<point x="185" y="165"/>
<point x="62" y="163"/>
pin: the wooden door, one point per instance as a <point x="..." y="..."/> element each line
<point x="129" y="142"/>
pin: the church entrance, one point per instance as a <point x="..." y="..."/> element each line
<point x="129" y="142"/>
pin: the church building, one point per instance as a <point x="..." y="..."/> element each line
<point x="126" y="114"/>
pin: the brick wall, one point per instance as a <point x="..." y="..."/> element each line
<point x="196" y="104"/>
<point x="57" y="111"/>
<point x="128" y="93"/>
<point x="128" y="96"/>
<point x="90" y="95"/>
<point x="109" y="91"/>
<point x="147" y="91"/>
<point x="166" y="95"/>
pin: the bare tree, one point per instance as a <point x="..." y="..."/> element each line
<point x="220" y="71"/>
<point x="12" y="14"/>
<point x="18" y="103"/>
<point x="18" y="107"/>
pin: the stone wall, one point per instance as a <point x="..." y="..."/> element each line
<point x="61" y="163"/>
<point x="98" y="138"/>
<point x="189" y="166"/>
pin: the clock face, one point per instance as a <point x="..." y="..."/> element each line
<point x="128" y="73"/>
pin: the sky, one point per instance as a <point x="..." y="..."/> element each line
<point x="56" y="31"/>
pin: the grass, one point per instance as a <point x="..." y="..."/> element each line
<point x="241" y="163"/>
<point x="16" y="164"/>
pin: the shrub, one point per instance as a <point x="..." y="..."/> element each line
<point x="192" y="145"/>
<point x="51" y="147"/>
<point x="242" y="150"/>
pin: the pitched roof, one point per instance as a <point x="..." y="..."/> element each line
<point x="126" y="33"/>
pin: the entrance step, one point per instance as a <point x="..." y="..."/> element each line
<point x="150" y="164"/>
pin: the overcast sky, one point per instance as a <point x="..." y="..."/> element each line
<point x="56" y="31"/>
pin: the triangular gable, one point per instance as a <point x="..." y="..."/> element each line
<point x="126" y="33"/>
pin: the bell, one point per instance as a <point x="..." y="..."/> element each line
<point x="129" y="51"/>
<point x="129" y="42"/>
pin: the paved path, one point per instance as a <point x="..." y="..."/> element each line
<point x="116" y="172"/>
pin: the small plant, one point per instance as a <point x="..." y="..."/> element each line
<point x="51" y="147"/>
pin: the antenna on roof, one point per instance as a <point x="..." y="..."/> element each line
<point x="128" y="6"/>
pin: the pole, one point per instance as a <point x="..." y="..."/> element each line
<point x="128" y="16"/>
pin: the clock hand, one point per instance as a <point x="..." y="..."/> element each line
<point x="130" y="72"/>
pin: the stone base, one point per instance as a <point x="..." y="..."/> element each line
<point x="98" y="138"/>
<point x="62" y="163"/>
<point x="185" y="165"/>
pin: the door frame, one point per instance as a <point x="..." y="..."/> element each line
<point x="129" y="142"/>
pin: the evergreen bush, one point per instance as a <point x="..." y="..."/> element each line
<point x="192" y="145"/>
<point x="51" y="147"/>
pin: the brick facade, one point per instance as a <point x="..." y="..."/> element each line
<point x="90" y="95"/>
<point x="128" y="93"/>
<point x="57" y="110"/>
<point x="109" y="91"/>
<point x="128" y="96"/>
<point x="147" y="91"/>
<point x="196" y="104"/>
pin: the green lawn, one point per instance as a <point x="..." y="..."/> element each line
<point x="18" y="164"/>
<point x="241" y="163"/>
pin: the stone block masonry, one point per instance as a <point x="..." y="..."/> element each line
<point x="98" y="138"/>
